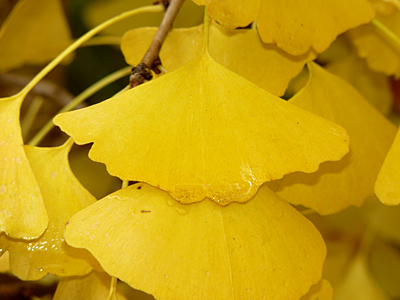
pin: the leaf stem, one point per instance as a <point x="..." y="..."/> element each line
<point x="146" y="9"/>
<point x="113" y="289"/>
<point x="79" y="99"/>
<point x="151" y="59"/>
<point x="387" y="33"/>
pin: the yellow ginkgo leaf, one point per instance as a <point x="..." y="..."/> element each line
<point x="63" y="196"/>
<point x="294" y="26"/>
<point x="148" y="240"/>
<point x="321" y="291"/>
<point x="97" y="12"/>
<point x="4" y="244"/>
<point x="375" y="87"/>
<point x="336" y="185"/>
<point x="4" y="263"/>
<point x="202" y="131"/>
<point x="387" y="186"/>
<point x="22" y="212"/>
<point x="35" y="32"/>
<point x="358" y="283"/>
<point x="384" y="262"/>
<point x="93" y="286"/>
<point x="379" y="52"/>
<point x="241" y="51"/>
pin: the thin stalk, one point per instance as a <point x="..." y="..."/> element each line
<point x="151" y="59"/>
<point x="206" y="40"/>
<point x="103" y="40"/>
<point x="113" y="289"/>
<point x="146" y="9"/>
<point x="79" y="99"/>
<point x="30" y="115"/>
<point x="386" y="32"/>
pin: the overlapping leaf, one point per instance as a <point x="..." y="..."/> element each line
<point x="63" y="196"/>
<point x="387" y="186"/>
<point x="378" y="50"/>
<point x="241" y="51"/>
<point x="337" y="185"/>
<point x="375" y="87"/>
<point x="22" y="212"/>
<point x="97" y="12"/>
<point x="321" y="291"/>
<point x="258" y="249"/>
<point x="204" y="132"/>
<point x="293" y="26"/>
<point x="93" y="286"/>
<point x="35" y="32"/>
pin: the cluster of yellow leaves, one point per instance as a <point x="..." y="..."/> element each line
<point x="212" y="129"/>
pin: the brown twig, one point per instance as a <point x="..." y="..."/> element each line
<point x="151" y="59"/>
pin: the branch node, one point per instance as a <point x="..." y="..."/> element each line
<point x="165" y="3"/>
<point x="139" y="74"/>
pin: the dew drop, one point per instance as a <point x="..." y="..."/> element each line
<point x="181" y="210"/>
<point x="54" y="175"/>
<point x="106" y="234"/>
<point x="92" y="236"/>
<point x="6" y="213"/>
<point x="18" y="160"/>
<point x="3" y="189"/>
<point x="9" y="121"/>
<point x="86" y="232"/>
<point x="2" y="143"/>
<point x="248" y="290"/>
<point x="95" y="224"/>
<point x="207" y="273"/>
<point x="170" y="202"/>
<point x="109" y="245"/>
<point x="278" y="212"/>
<point x="166" y="276"/>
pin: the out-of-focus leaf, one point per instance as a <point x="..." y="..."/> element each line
<point x="387" y="186"/>
<point x="381" y="55"/>
<point x="321" y="291"/>
<point x="35" y="32"/>
<point x="94" y="286"/>
<point x="384" y="262"/>
<point x="97" y="12"/>
<point x="336" y="185"/>
<point x="375" y="87"/>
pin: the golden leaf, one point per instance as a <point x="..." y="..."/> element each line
<point x="35" y="32"/>
<point x="379" y="52"/>
<point x="336" y="185"/>
<point x="63" y="196"/>
<point x="321" y="291"/>
<point x="148" y="240"/>
<point x="387" y="186"/>
<point x="294" y="26"/>
<point x="93" y="286"/>
<point x="375" y="87"/>
<point x="241" y="51"/>
<point x="358" y="283"/>
<point x="97" y="12"/>
<point x="202" y="131"/>
<point x="22" y="212"/>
